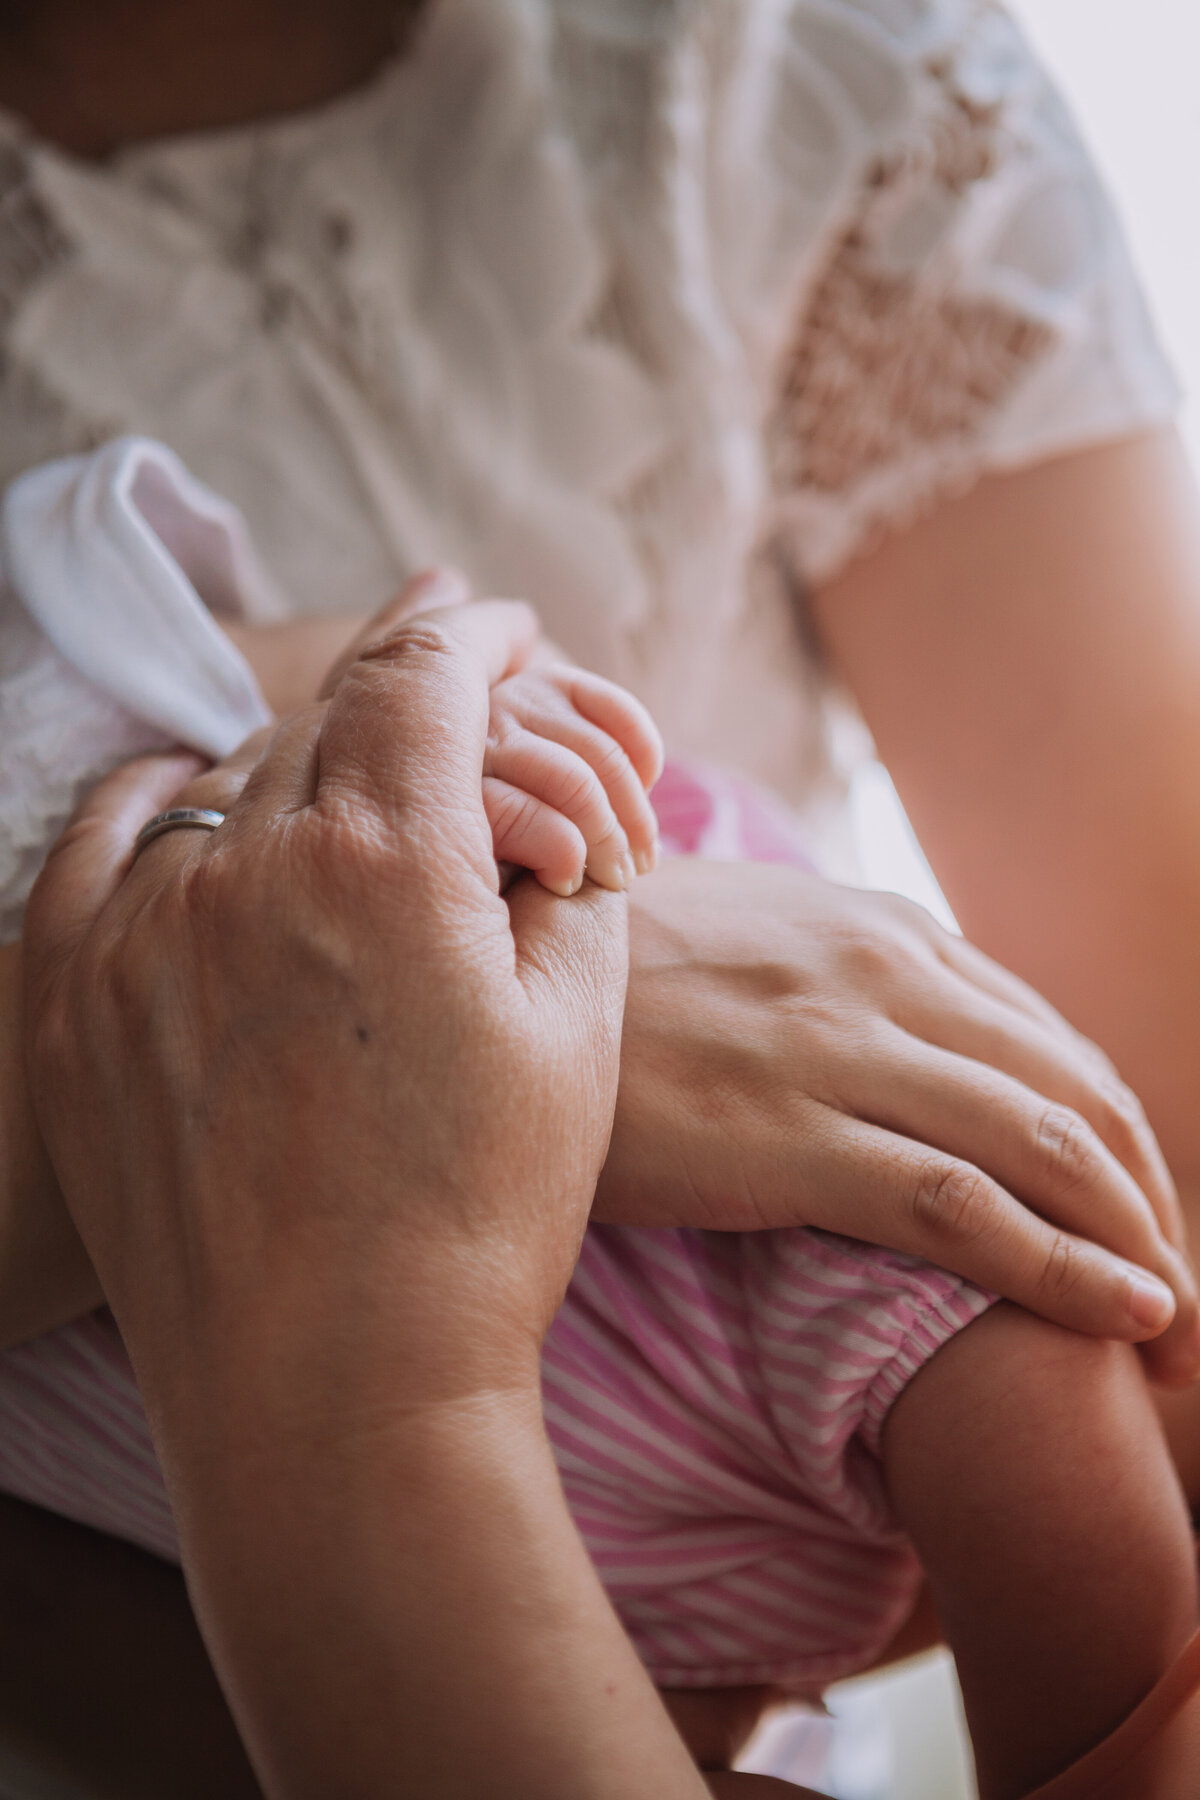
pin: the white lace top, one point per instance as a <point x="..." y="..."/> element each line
<point x="655" y="311"/>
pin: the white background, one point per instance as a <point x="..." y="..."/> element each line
<point x="1131" y="69"/>
<point x="1131" y="72"/>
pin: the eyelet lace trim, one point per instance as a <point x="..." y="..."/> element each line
<point x="885" y="370"/>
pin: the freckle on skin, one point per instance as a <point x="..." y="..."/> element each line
<point x="363" y="1035"/>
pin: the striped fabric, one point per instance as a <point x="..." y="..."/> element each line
<point x="715" y="1402"/>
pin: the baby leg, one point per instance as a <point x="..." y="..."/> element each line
<point x="1029" y="1469"/>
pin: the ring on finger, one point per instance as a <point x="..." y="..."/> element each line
<point x="177" y="818"/>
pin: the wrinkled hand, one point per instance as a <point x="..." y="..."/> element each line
<point x="569" y="761"/>
<point x="800" y="1053"/>
<point x="313" y="1059"/>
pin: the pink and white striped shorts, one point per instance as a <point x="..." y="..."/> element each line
<point x="715" y="1402"/>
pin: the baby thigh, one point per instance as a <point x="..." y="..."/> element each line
<point x="1030" y="1471"/>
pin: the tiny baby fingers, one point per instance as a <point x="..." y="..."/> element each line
<point x="615" y="710"/>
<point x="563" y="780"/>
<point x="539" y="702"/>
<point x="528" y="833"/>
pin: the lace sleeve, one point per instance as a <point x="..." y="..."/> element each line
<point x="974" y="311"/>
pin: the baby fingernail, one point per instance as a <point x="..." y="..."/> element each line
<point x="629" y="869"/>
<point x="1151" y="1302"/>
<point x="646" y="861"/>
<point x="564" y="889"/>
<point x="444" y="586"/>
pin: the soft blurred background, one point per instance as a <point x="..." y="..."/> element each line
<point x="1132" y="71"/>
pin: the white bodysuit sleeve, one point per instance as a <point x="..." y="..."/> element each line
<point x="115" y="568"/>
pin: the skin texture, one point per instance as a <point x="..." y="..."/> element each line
<point x="584" y="753"/>
<point x="468" y="1047"/>
<point x="967" y="600"/>
<point x="1058" y="613"/>
<point x="82" y="1614"/>
<point x="967" y="1468"/>
<point x="1029" y="1470"/>
<point x="793" y="1051"/>
<point x="569" y="758"/>
<point x="796" y="1052"/>
<point x="96" y="77"/>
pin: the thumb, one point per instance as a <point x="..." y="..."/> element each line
<point x="426" y="592"/>
<point x="88" y="863"/>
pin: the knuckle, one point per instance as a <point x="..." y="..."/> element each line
<point x="1122" y="1119"/>
<point x="502" y="728"/>
<point x="415" y="637"/>
<point x="608" y="760"/>
<point x="578" y="793"/>
<point x="911" y="915"/>
<point x="952" y="1203"/>
<point x="1063" y="1269"/>
<point x="869" y="956"/>
<point x="513" y="812"/>
<point x="1068" y="1145"/>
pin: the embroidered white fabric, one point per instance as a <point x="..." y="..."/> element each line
<point x="652" y="310"/>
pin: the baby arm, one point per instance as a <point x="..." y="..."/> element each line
<point x="1029" y="1469"/>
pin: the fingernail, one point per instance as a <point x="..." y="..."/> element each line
<point x="564" y="889"/>
<point x="1151" y="1302"/>
<point x="616" y="873"/>
<point x="646" y="861"/>
<point x="437" y="587"/>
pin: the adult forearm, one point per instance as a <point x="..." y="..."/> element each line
<point x="449" y="1637"/>
<point x="46" y="1277"/>
<point x="1054" y="614"/>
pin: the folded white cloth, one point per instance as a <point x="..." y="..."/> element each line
<point x="116" y="566"/>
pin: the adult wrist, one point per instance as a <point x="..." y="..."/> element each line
<point x="316" y="1361"/>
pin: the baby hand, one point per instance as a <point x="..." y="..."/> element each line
<point x="569" y="759"/>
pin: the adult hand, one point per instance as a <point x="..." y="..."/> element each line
<point x="800" y="1053"/>
<point x="329" y="1112"/>
<point x="248" y="1045"/>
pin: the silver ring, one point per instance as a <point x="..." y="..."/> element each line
<point x="175" y="819"/>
